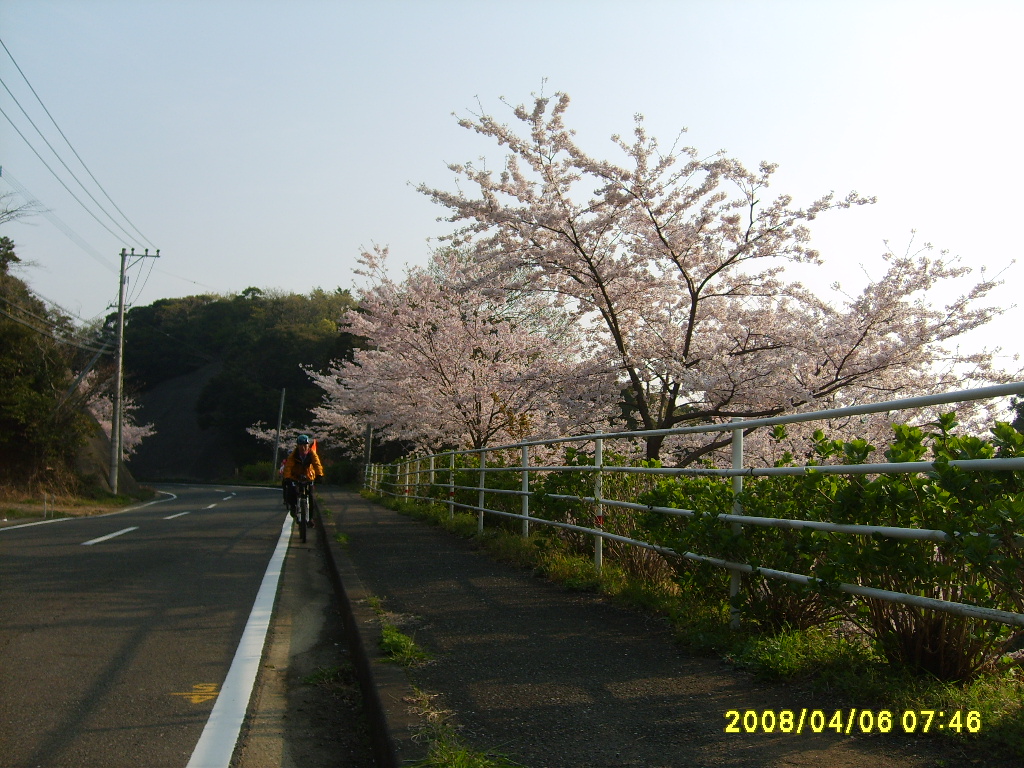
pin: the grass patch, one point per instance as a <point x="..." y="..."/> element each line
<point x="574" y="571"/>
<point x="446" y="749"/>
<point x="341" y="538"/>
<point x="400" y="647"/>
<point x="19" y="506"/>
<point x="328" y="676"/>
<point x="396" y="645"/>
<point x="510" y="548"/>
<point x="35" y="510"/>
<point x="803" y="653"/>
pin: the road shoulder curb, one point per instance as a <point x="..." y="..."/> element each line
<point x="387" y="691"/>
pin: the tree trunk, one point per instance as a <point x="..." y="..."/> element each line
<point x="654" y="447"/>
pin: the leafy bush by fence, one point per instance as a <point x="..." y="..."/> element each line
<point x="976" y="556"/>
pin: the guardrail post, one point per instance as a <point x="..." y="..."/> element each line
<point x="737" y="509"/>
<point x="599" y="519"/>
<point x="431" y="471"/>
<point x="451" y="485"/>
<point x="525" y="488"/>
<point x="480" y="494"/>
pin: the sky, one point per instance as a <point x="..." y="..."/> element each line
<point x="267" y="142"/>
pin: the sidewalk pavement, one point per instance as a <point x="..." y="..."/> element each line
<point x="553" y="678"/>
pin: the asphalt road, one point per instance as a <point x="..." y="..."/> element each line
<point x="116" y="632"/>
<point x="307" y="709"/>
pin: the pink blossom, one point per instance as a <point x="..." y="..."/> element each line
<point x="672" y="266"/>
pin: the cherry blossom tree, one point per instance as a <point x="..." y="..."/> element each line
<point x="676" y="265"/>
<point x="132" y="433"/>
<point x="449" y="365"/>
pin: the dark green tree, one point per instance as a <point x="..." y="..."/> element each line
<point x="258" y="342"/>
<point x="41" y="427"/>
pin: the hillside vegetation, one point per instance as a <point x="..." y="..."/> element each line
<point x="201" y="370"/>
<point x="43" y="422"/>
<point x="205" y="368"/>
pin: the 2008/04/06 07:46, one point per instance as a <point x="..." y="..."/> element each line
<point x="853" y="720"/>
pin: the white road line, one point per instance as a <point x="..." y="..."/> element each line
<point x="211" y="506"/>
<point x="108" y="514"/>
<point x="177" y="515"/>
<point x="38" y="522"/>
<point x="109" y="536"/>
<point x="228" y="498"/>
<point x="141" y="506"/>
<point x="220" y="735"/>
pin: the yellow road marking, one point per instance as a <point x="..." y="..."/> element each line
<point x="200" y="692"/>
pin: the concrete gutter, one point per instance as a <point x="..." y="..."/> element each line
<point x="387" y="691"/>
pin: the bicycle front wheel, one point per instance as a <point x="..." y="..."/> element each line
<point x="303" y="517"/>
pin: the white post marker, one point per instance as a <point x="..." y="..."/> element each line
<point x="217" y="744"/>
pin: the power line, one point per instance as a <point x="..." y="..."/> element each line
<point x="58" y="178"/>
<point x="61" y="160"/>
<point x="71" y="147"/>
<point x="63" y="309"/>
<point x="46" y="321"/>
<point x="31" y="314"/>
<point x="188" y="280"/>
<point x="136" y="293"/>
<point x="73" y="236"/>
<point x="51" y="333"/>
<point x="68" y="232"/>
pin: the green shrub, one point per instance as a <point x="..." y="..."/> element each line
<point x="342" y="472"/>
<point x="260" y="472"/>
<point x="981" y="563"/>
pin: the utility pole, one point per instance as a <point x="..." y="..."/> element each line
<point x="368" y="444"/>
<point x="277" y="439"/>
<point x="116" y="417"/>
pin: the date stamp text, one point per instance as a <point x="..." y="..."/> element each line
<point x="850" y="721"/>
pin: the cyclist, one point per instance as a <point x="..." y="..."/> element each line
<point x="301" y="464"/>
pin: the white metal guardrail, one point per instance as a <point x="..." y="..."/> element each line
<point x="406" y="477"/>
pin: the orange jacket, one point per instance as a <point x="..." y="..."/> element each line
<point x="303" y="468"/>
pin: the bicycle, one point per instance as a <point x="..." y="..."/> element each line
<point x="304" y="502"/>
